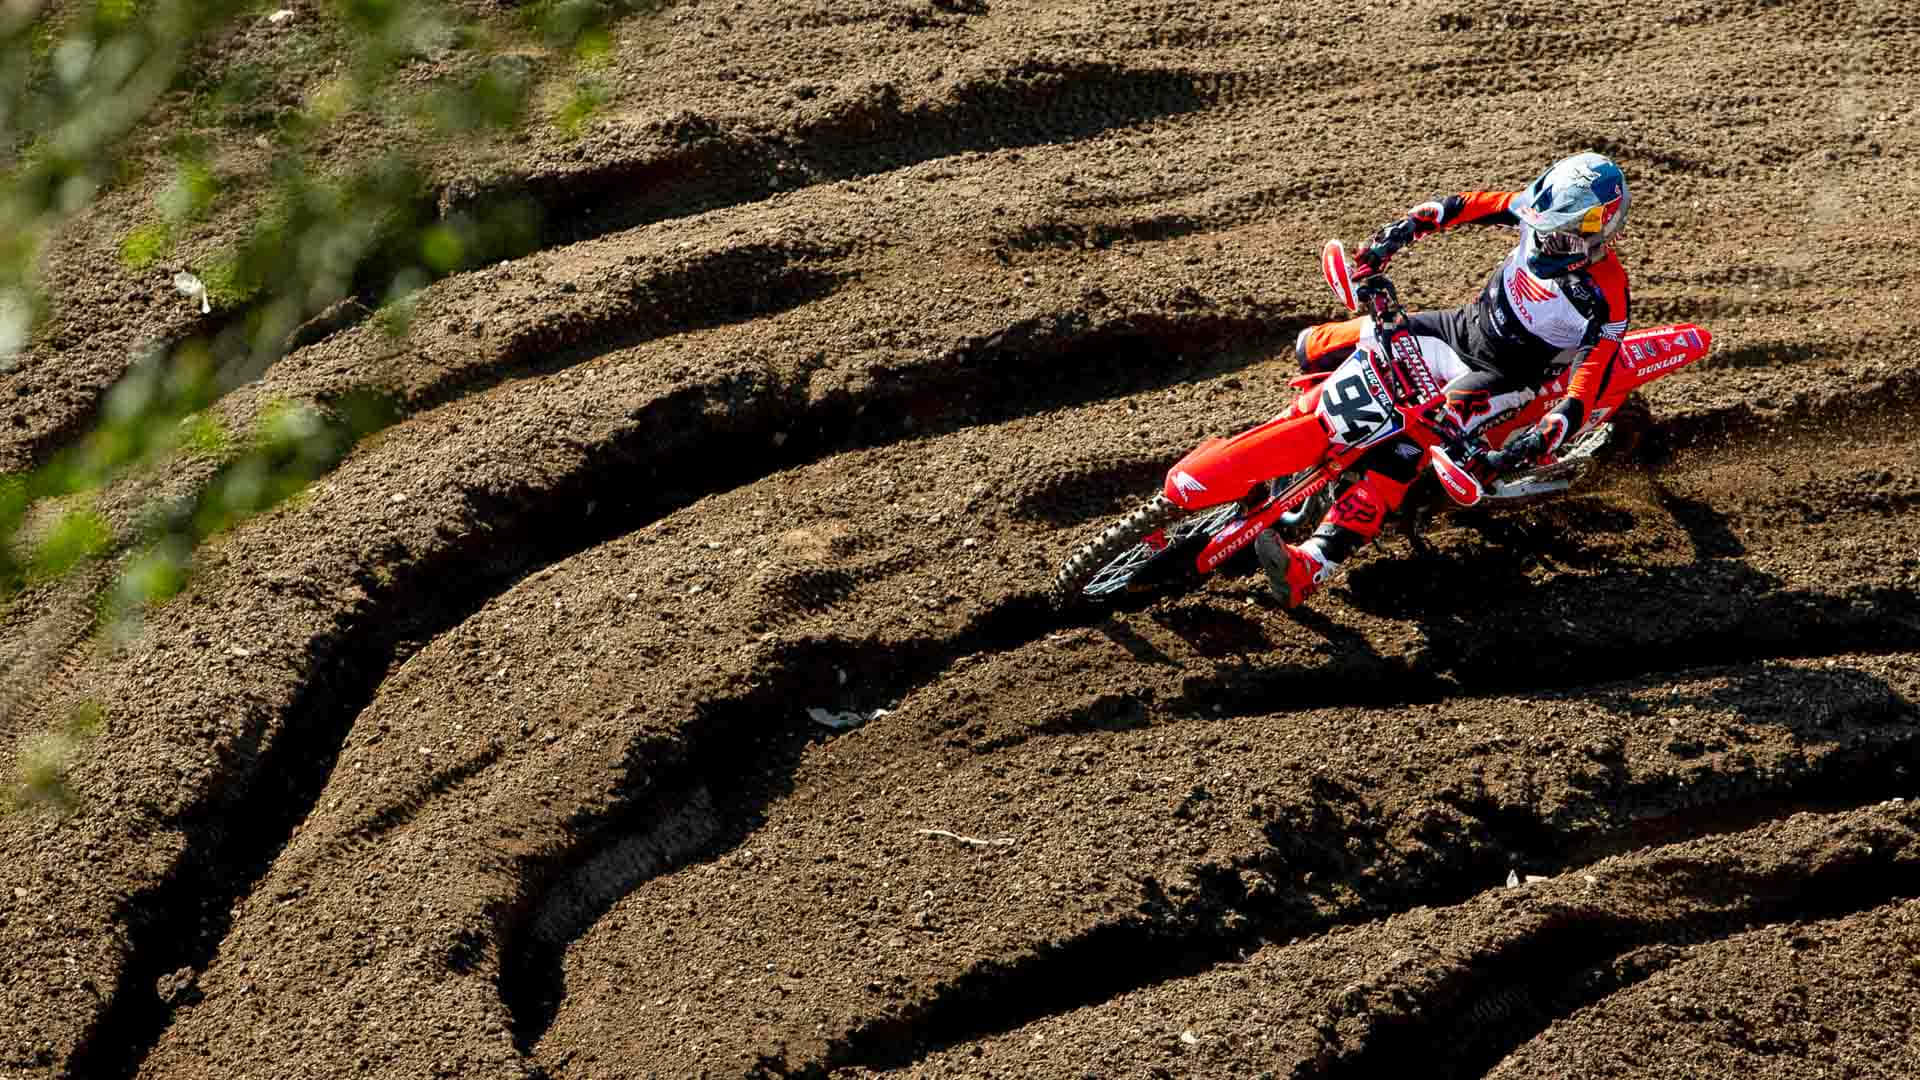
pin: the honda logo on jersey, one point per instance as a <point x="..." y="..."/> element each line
<point x="1528" y="287"/>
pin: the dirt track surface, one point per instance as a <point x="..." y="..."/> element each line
<point x="490" y="757"/>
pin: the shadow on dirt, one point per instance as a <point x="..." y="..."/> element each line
<point x="703" y="164"/>
<point x="1780" y="693"/>
<point x="1511" y="611"/>
<point x="719" y="799"/>
<point x="1712" y="537"/>
<point x="1492" y="624"/>
<point x="1215" y="633"/>
<point x="1101" y="491"/>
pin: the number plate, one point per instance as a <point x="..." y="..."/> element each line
<point x="1355" y="407"/>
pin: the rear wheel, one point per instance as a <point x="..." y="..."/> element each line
<point x="1152" y="545"/>
<point x="1632" y="424"/>
<point x="1613" y="445"/>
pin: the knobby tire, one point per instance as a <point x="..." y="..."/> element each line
<point x="1107" y="548"/>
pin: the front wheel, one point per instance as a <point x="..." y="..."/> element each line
<point x="1157" y="541"/>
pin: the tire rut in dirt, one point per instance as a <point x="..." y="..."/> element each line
<point x="709" y="165"/>
<point x="734" y="753"/>
<point x="1571" y="959"/>
<point x="713" y="289"/>
<point x="1046" y="379"/>
<point x="1786" y="624"/>
<point x="1360" y="858"/>
<point x="1858" y="411"/>
<point x="246" y="819"/>
<point x="1113" y="959"/>
<point x="1454" y="987"/>
<point x="703" y="164"/>
<point x="1527" y="989"/>
<point x="784" y="307"/>
<point x="1795" y="996"/>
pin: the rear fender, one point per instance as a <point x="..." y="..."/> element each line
<point x="1222" y="470"/>
<point x="1526" y="417"/>
<point x="1646" y="355"/>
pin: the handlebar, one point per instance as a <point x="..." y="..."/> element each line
<point x="1375" y="293"/>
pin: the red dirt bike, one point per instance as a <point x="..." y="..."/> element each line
<point x="1285" y="472"/>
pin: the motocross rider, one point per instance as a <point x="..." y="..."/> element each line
<point x="1558" y="300"/>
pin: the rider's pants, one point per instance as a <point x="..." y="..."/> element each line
<point x="1477" y="393"/>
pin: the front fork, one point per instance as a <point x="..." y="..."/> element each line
<point x="1263" y="514"/>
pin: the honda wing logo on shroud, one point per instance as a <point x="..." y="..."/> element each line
<point x="1185" y="484"/>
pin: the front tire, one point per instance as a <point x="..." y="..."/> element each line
<point x="1158" y="536"/>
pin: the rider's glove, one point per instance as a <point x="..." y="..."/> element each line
<point x="1552" y="430"/>
<point x="1424" y="220"/>
<point x="1531" y="445"/>
<point x="1383" y="245"/>
<point x="1366" y="288"/>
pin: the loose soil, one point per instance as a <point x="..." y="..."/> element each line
<point x="490" y="756"/>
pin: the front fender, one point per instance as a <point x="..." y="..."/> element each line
<point x="1309" y="387"/>
<point x="1221" y="470"/>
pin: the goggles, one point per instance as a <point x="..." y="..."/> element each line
<point x="1560" y="243"/>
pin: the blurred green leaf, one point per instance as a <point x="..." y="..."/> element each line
<point x="145" y="244"/>
<point x="204" y="434"/>
<point x="442" y="248"/>
<point x="43" y="763"/>
<point x="300" y="228"/>
<point x="587" y="99"/>
<point x="496" y="98"/>
<point x="86" y="720"/>
<point x="595" y="47"/>
<point x="111" y="15"/>
<point x="190" y="193"/>
<point x="77" y="536"/>
<point x="154" y="575"/>
<point x="365" y="411"/>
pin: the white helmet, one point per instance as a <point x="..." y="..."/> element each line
<point x="1571" y="213"/>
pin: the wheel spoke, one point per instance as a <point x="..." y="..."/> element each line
<point x="1116" y="575"/>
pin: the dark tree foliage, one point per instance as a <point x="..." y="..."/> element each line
<point x="81" y="80"/>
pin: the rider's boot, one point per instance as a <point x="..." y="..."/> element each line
<point x="1323" y="347"/>
<point x="1296" y="572"/>
<point x="1293" y="573"/>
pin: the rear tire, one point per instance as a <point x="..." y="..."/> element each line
<point x="1632" y="425"/>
